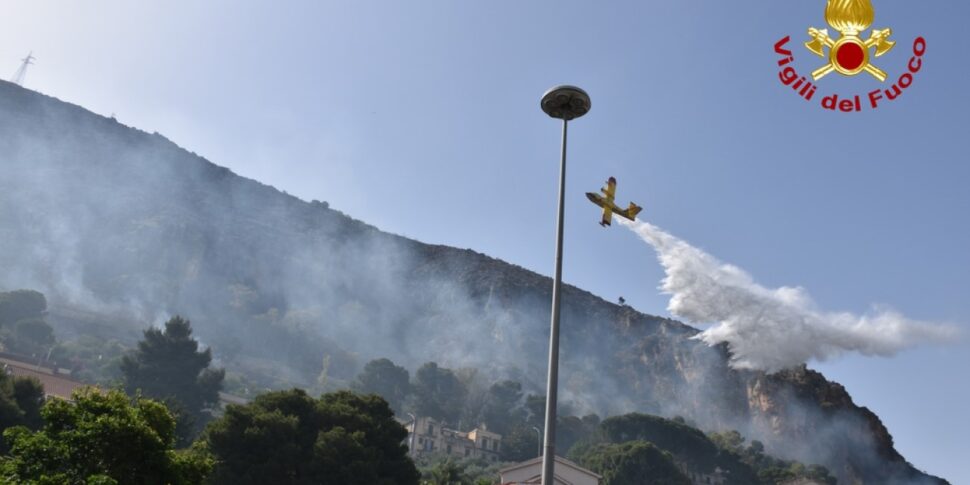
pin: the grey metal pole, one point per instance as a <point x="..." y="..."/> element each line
<point x="414" y="431"/>
<point x="564" y="103"/>
<point x="538" y="440"/>
<point x="552" y="385"/>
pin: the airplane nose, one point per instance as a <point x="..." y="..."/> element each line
<point x="591" y="196"/>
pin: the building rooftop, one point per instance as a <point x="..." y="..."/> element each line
<point x="536" y="463"/>
<point x="56" y="383"/>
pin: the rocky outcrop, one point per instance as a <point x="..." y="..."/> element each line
<point x="805" y="416"/>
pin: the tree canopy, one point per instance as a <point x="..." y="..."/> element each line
<point x="443" y="469"/>
<point x="289" y="438"/>
<point x="168" y="365"/>
<point x="686" y="444"/>
<point x="677" y="438"/>
<point x="101" y="438"/>
<point x="633" y="463"/>
<point x="770" y="470"/>
<point x="21" y="304"/>
<point x="21" y="399"/>
<point x="500" y="408"/>
<point x="438" y="393"/>
<point x="384" y="378"/>
<point x="23" y="329"/>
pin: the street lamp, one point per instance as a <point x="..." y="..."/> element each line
<point x="538" y="441"/>
<point x="564" y="103"/>
<point x="414" y="431"/>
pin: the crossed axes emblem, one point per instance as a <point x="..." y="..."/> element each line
<point x="849" y="55"/>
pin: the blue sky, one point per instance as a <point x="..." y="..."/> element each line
<point x="422" y="118"/>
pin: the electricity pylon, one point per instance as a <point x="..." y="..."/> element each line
<point x="18" y="77"/>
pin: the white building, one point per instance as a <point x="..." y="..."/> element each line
<point x="566" y="473"/>
<point x="431" y="437"/>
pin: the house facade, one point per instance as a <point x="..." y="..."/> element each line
<point x="427" y="435"/>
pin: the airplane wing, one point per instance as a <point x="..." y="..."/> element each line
<point x="610" y="190"/>
<point x="607" y="215"/>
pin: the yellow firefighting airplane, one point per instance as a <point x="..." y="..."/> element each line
<point x="609" y="207"/>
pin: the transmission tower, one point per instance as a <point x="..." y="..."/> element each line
<point x="18" y="77"/>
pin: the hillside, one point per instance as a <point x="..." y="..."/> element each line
<point x="120" y="228"/>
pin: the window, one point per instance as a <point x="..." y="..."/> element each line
<point x="449" y="449"/>
<point x="431" y="429"/>
<point x="484" y="443"/>
<point x="468" y="451"/>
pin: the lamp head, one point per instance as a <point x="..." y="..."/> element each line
<point x="565" y="102"/>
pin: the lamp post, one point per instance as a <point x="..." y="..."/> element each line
<point x="564" y="103"/>
<point x="414" y="431"/>
<point x="538" y="440"/>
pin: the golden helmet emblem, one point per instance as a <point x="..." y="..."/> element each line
<point x="849" y="54"/>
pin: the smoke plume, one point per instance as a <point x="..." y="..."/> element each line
<point x="772" y="329"/>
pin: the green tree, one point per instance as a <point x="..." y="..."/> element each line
<point x="689" y="445"/>
<point x="571" y="430"/>
<point x="820" y="474"/>
<point x="29" y="336"/>
<point x="521" y="443"/>
<point x="770" y="470"/>
<point x="731" y="441"/>
<point x="772" y="475"/>
<point x="445" y="469"/>
<point x="22" y="326"/>
<point x="446" y="473"/>
<point x="501" y="407"/>
<point x="289" y="438"/>
<point x="94" y="359"/>
<point x="633" y="463"/>
<point x="683" y="441"/>
<point x="21" y="399"/>
<point x="101" y="438"/>
<point x="384" y="378"/>
<point x="21" y="304"/>
<point x="438" y="393"/>
<point x="168" y="365"/>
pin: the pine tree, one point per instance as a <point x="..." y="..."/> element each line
<point x="169" y="366"/>
<point x="438" y="393"/>
<point x="384" y="378"/>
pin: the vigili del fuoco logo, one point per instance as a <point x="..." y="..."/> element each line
<point x="849" y="55"/>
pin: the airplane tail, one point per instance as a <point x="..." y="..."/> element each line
<point x="634" y="210"/>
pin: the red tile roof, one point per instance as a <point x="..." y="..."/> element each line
<point x="55" y="384"/>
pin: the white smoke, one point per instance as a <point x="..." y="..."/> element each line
<point x="772" y="329"/>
